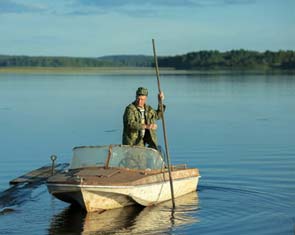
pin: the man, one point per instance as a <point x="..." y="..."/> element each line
<point x="140" y="121"/>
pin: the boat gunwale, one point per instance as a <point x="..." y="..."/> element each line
<point x="81" y="185"/>
<point x="146" y="171"/>
<point x="140" y="178"/>
<point x="143" y="171"/>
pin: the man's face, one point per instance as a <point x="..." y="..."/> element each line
<point x="140" y="100"/>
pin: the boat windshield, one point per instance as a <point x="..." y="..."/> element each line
<point x="87" y="156"/>
<point x="132" y="157"/>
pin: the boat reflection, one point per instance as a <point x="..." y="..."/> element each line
<point x="131" y="219"/>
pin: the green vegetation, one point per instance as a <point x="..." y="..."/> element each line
<point x="235" y="59"/>
<point x="129" y="60"/>
<point x="85" y="70"/>
<point x="45" y="61"/>
<point x="48" y="61"/>
<point x="202" y="60"/>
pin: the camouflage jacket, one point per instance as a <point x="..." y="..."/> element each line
<point x="132" y="125"/>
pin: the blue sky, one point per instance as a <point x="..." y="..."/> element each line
<point x="92" y="28"/>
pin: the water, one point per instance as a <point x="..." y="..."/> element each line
<point x="237" y="129"/>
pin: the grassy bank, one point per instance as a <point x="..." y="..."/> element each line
<point x="76" y="70"/>
<point x="129" y="71"/>
<point x="96" y="70"/>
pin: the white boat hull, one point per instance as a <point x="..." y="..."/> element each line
<point x="99" y="198"/>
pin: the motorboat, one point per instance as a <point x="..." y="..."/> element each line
<point x="105" y="177"/>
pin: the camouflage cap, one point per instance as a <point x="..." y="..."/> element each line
<point x="142" y="91"/>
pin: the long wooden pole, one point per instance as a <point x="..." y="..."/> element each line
<point x="164" y="125"/>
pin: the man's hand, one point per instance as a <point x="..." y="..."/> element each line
<point x="153" y="126"/>
<point x="161" y="96"/>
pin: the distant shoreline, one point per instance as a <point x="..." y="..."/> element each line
<point x="130" y="71"/>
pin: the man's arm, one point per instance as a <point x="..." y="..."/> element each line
<point x="130" y="119"/>
<point x="159" y="111"/>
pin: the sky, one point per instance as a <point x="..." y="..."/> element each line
<point x="94" y="28"/>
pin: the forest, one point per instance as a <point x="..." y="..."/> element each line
<point x="234" y="59"/>
<point x="201" y="60"/>
<point x="56" y="61"/>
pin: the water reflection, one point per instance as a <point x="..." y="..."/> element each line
<point x="132" y="219"/>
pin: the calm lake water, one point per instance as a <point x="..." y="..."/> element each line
<point x="239" y="130"/>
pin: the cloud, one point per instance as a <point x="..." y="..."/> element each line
<point x="111" y="4"/>
<point x="135" y="8"/>
<point x="143" y="8"/>
<point x="8" y="6"/>
<point x="138" y="3"/>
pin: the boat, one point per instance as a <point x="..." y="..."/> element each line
<point x="106" y="177"/>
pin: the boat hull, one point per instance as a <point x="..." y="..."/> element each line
<point x="105" y="197"/>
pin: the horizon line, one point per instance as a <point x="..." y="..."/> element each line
<point x="146" y="55"/>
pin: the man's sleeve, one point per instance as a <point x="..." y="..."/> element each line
<point x="130" y="121"/>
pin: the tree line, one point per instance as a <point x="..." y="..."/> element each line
<point x="51" y="61"/>
<point x="46" y="61"/>
<point x="234" y="59"/>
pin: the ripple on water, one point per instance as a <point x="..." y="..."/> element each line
<point x="247" y="187"/>
<point x="230" y="209"/>
<point x="6" y="210"/>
